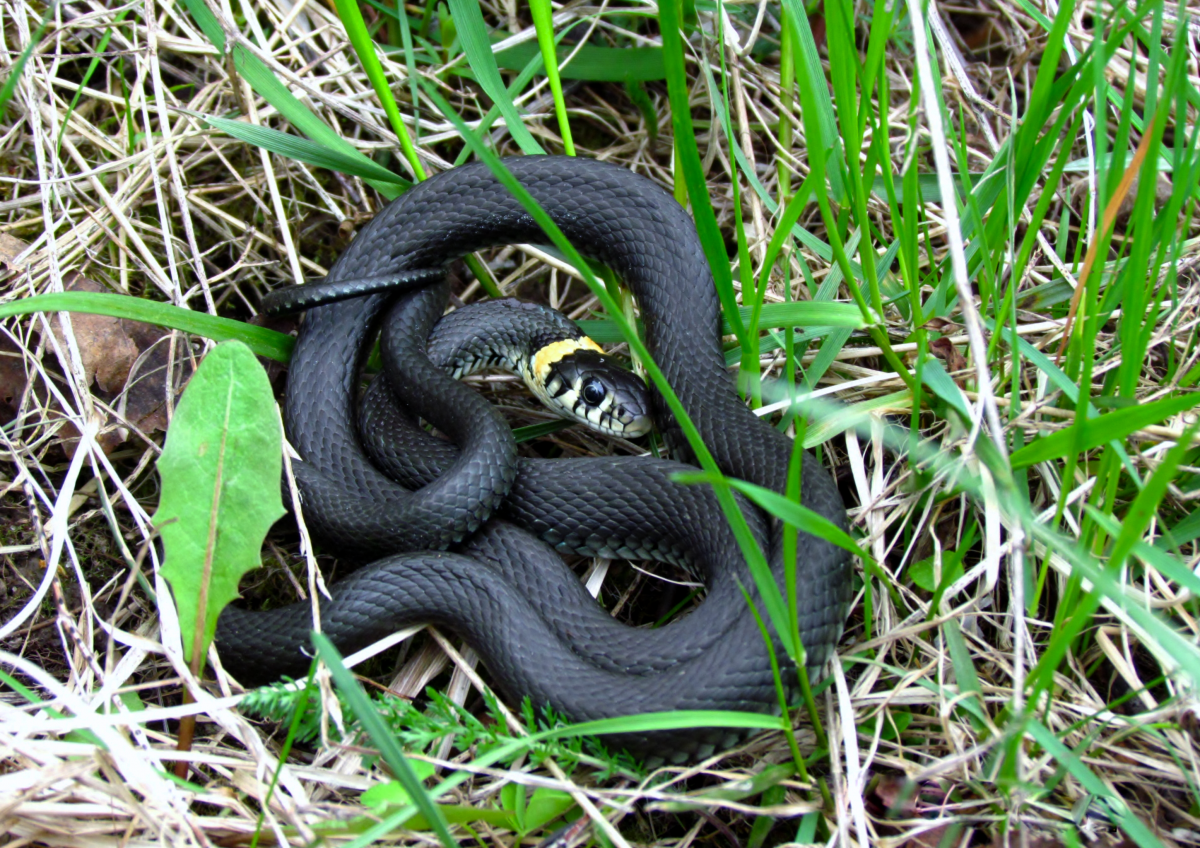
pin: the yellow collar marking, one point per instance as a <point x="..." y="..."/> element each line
<point x="553" y="352"/>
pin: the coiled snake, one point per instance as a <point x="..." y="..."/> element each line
<point x="480" y="533"/>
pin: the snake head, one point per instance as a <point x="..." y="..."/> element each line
<point x="584" y="384"/>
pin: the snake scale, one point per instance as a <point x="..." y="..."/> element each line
<point x="467" y="538"/>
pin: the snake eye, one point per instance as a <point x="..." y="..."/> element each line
<point x="593" y="391"/>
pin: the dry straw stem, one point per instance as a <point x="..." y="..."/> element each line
<point x="126" y="189"/>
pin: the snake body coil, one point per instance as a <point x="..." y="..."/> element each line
<point x="494" y="580"/>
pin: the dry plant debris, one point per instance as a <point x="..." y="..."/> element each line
<point x="113" y="184"/>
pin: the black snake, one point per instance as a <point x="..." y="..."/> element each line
<point x="480" y="532"/>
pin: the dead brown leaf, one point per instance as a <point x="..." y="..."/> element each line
<point x="941" y="325"/>
<point x="948" y="353"/>
<point x="157" y="377"/>
<point x="12" y="379"/>
<point x="10" y="248"/>
<point x="894" y="797"/>
<point x="132" y="363"/>
<point x="105" y="348"/>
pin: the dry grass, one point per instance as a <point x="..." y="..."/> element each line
<point x="138" y="196"/>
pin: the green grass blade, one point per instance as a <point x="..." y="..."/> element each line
<point x="18" y="67"/>
<point x="1117" y="808"/>
<point x="527" y="73"/>
<point x="795" y="514"/>
<point x="378" y="731"/>
<point x="1185" y="530"/>
<point x="390" y="750"/>
<point x="87" y="76"/>
<point x="593" y="63"/>
<point x="266" y="84"/>
<point x="1091" y="433"/>
<point x="410" y="65"/>
<point x="1145" y="504"/>
<point x="1166" y="638"/>
<point x="814" y="97"/>
<point x="1173" y="567"/>
<point x="472" y="32"/>
<point x="303" y="150"/>
<point x="262" y="341"/>
<point x="689" y="162"/>
<point x="816" y="316"/>
<point x="543" y="22"/>
<point x="208" y="23"/>
<point x="285" y="750"/>
<point x="674" y="720"/>
<point x="806" y="238"/>
<point x="364" y="47"/>
<point x="964" y="669"/>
